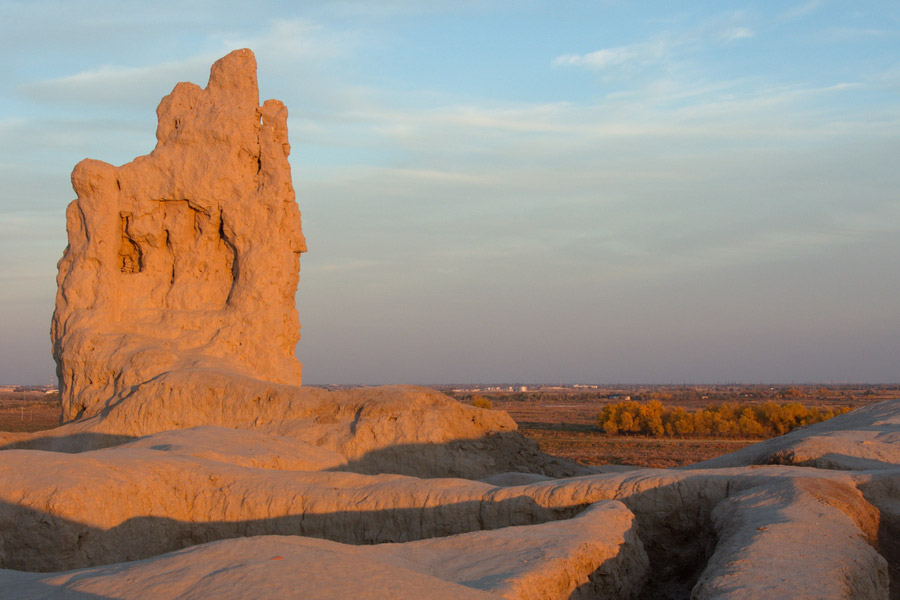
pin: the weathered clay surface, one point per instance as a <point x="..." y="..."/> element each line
<point x="826" y="523"/>
<point x="717" y="527"/>
<point x="394" y="429"/>
<point x="596" y="554"/>
<point x="63" y="511"/>
<point x="262" y="568"/>
<point x="242" y="448"/>
<point x="185" y="257"/>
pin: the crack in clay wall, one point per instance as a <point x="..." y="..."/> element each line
<point x="130" y="255"/>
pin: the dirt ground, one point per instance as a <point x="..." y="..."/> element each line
<point x="596" y="448"/>
<point x="28" y="411"/>
<point x="564" y="423"/>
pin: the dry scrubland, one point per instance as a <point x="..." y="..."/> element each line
<point x="565" y="422"/>
<point x="28" y="411"/>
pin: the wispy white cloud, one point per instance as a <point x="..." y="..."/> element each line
<point x="639" y="54"/>
<point x="403" y="8"/>
<point x="801" y="10"/>
<point x="111" y="85"/>
<point x="679" y="171"/>
<point x="663" y="48"/>
<point x="733" y="110"/>
<point x="297" y="39"/>
<point x="857" y="33"/>
<point x="298" y="46"/>
<point x="737" y="33"/>
<point x="599" y="59"/>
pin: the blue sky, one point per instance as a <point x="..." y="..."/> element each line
<point x="511" y="191"/>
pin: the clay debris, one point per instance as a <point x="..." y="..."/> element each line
<point x="185" y="257"/>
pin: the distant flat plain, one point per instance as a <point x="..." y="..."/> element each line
<point x="563" y="419"/>
<point x="28" y="410"/>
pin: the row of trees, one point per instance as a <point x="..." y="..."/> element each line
<point x="723" y="420"/>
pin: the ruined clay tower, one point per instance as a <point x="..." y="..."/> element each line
<point x="187" y="257"/>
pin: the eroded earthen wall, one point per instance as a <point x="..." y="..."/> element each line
<point x="187" y="257"/>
